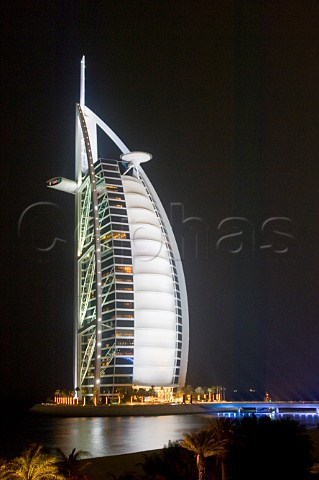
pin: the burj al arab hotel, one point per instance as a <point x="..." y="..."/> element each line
<point x="131" y="326"/>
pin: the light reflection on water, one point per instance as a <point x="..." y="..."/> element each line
<point x="101" y="436"/>
<point x="104" y="436"/>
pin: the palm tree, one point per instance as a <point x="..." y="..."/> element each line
<point x="199" y="390"/>
<point x="222" y="429"/>
<point x="214" y="390"/>
<point x="203" y="444"/>
<point x="171" y="463"/>
<point x="33" y="464"/>
<point x="70" y="465"/>
<point x="4" y="475"/>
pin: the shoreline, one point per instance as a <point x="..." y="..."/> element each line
<point x="120" y="464"/>
<point x="117" y="410"/>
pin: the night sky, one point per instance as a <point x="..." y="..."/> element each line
<point x="225" y="96"/>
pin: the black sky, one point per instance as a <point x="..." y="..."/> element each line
<point x="225" y="95"/>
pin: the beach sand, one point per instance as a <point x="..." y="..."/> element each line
<point x="101" y="468"/>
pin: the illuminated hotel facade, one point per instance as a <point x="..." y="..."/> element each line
<point x="131" y="315"/>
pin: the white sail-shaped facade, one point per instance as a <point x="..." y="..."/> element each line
<point x="154" y="293"/>
<point x="131" y="315"/>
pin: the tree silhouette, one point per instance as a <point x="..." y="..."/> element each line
<point x="203" y="444"/>
<point x="266" y="448"/>
<point x="70" y="465"/>
<point x="222" y="430"/>
<point x="171" y="463"/>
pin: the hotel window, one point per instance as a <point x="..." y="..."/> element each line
<point x="106" y="237"/>
<point x="111" y="297"/>
<point x="107" y="262"/>
<point x="121" y="380"/>
<point x="129" y="305"/>
<point x="124" y="314"/>
<point x="121" y="207"/>
<point x="121" y="235"/>
<point x="123" y="269"/>
<point x="123" y="261"/>
<point x="107" y="371"/>
<point x="124" y="278"/>
<point x="123" y="370"/>
<point x="123" y="295"/>
<point x="108" y="315"/>
<point x="127" y="342"/>
<point x="124" y="361"/>
<point x="124" y="333"/>
<point x="120" y="286"/>
<point x="106" y="274"/>
<point x="114" y="188"/>
<point x="113" y="181"/>
<point x="113" y="168"/>
<point x="123" y="251"/>
<point x="117" y="202"/>
<point x="119" y="219"/>
<point x="111" y="175"/>
<point x="122" y="243"/>
<point x="125" y="323"/>
<point x="120" y="227"/>
<point x="124" y="352"/>
<point x="116" y="196"/>
<point x="117" y="209"/>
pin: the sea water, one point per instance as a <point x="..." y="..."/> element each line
<point x="104" y="436"/>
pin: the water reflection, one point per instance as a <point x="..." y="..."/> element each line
<point x="118" y="435"/>
<point x="103" y="436"/>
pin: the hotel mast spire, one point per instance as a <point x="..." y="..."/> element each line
<point x="82" y="84"/>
